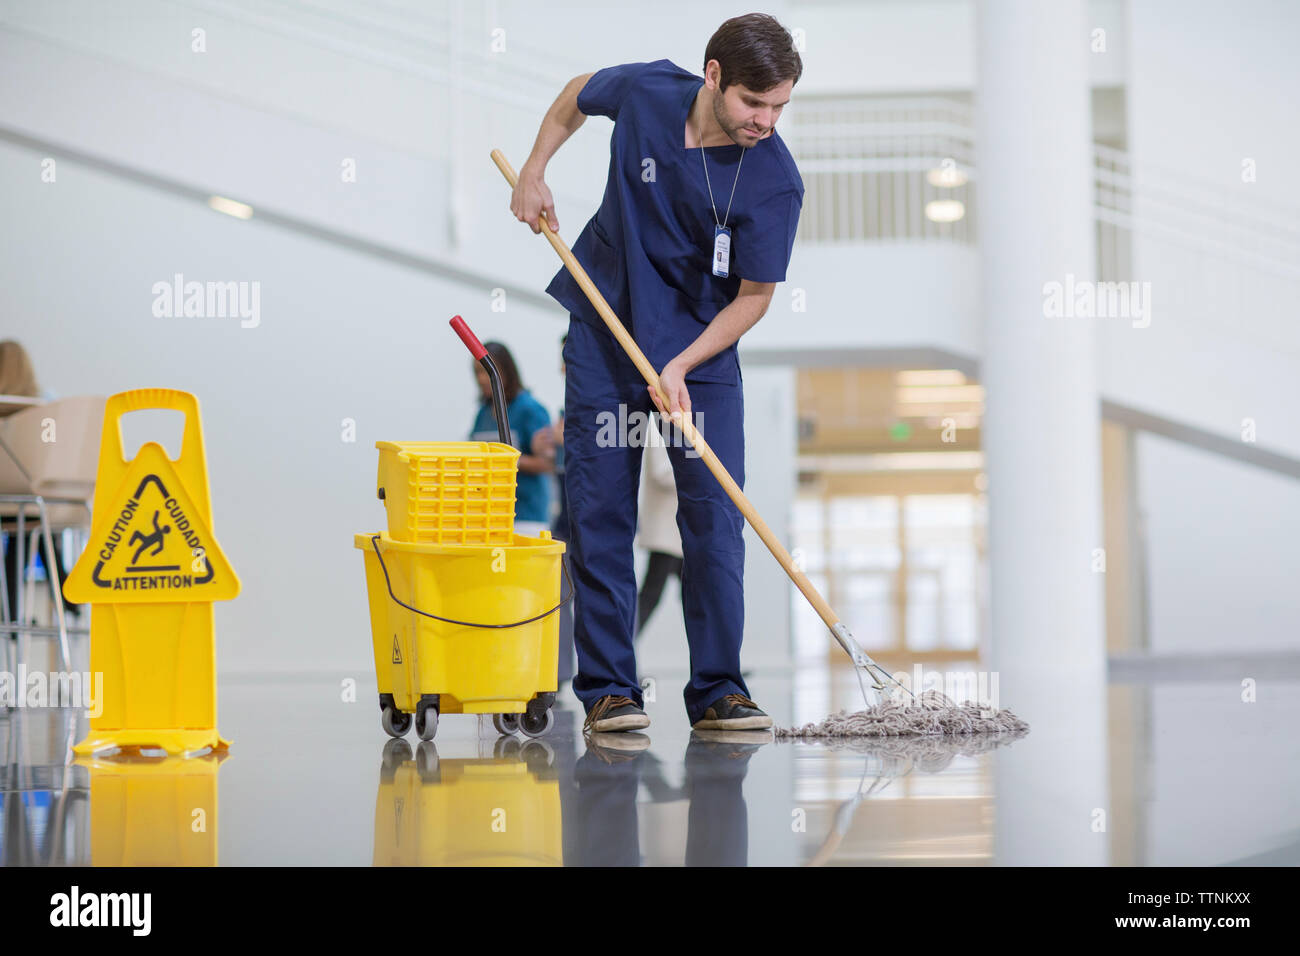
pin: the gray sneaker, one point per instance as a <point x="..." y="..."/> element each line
<point x="612" y="713"/>
<point x="733" y="712"/>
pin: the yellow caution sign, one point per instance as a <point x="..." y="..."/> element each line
<point x="151" y="543"/>
<point x="150" y="573"/>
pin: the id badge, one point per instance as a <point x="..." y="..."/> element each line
<point x="721" y="251"/>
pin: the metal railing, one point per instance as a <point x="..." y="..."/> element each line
<point x="873" y="167"/>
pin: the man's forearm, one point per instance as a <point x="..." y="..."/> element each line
<point x="726" y="328"/>
<point x="561" y="121"/>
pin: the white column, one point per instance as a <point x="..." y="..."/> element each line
<point x="1041" y="429"/>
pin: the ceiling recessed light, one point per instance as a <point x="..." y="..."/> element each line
<point x="230" y="207"/>
<point x="930" y="376"/>
<point x="946" y="177"/>
<point x="945" y="210"/>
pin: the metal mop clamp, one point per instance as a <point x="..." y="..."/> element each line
<point x="863" y="662"/>
<point x="840" y="631"/>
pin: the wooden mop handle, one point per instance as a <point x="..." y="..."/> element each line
<point x="692" y="434"/>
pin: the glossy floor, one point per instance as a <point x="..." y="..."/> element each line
<point x="1194" y="771"/>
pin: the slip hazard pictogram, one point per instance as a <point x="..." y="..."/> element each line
<point x="153" y="544"/>
<point x="397" y="651"/>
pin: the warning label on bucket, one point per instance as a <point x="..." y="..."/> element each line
<point x="153" y="546"/>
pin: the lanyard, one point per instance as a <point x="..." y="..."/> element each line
<point x="710" y="185"/>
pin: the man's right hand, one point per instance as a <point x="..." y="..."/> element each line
<point x="531" y="198"/>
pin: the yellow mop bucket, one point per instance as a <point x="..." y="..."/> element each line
<point x="463" y="611"/>
<point x="464" y="629"/>
<point x="150" y="573"/>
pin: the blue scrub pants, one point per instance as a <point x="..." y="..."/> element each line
<point x="601" y="483"/>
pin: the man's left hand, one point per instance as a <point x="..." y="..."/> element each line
<point x="673" y="382"/>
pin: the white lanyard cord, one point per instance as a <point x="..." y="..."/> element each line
<point x="710" y="185"/>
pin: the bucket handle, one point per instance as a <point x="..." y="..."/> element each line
<point x="564" y="571"/>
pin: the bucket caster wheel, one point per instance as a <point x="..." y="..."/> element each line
<point x="426" y="721"/>
<point x="395" y="722"/>
<point x="535" y="726"/>
<point x="506" y="724"/>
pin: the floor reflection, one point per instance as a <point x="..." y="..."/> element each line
<point x="153" y="809"/>
<point x="885" y="762"/>
<point x="610" y="773"/>
<point x="499" y="809"/>
<point x="312" y="781"/>
<point x="45" y="801"/>
<point x="120" y="809"/>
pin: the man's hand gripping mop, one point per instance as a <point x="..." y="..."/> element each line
<point x="932" y="713"/>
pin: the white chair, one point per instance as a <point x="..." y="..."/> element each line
<point x="49" y="454"/>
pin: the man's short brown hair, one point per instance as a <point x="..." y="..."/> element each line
<point x="754" y="51"/>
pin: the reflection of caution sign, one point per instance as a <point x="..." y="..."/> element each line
<point x="151" y="544"/>
<point x="397" y="651"/>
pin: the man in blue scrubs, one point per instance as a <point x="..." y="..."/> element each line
<point x="694" y="232"/>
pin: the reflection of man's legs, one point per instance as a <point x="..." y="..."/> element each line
<point x="713" y="546"/>
<point x="602" y="473"/>
<point x="605" y="817"/>
<point x="717" y="828"/>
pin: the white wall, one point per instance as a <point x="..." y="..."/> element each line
<point x="1209" y="86"/>
<point x="1222" y="551"/>
<point x="886" y="295"/>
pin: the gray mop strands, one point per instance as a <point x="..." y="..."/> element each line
<point x="933" y="713"/>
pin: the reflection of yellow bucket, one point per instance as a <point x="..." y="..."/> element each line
<point x="474" y="670"/>
<point x="148" y="811"/>
<point x="476" y="812"/>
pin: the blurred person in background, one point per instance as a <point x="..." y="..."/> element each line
<point x="528" y="418"/>
<point x="18" y="378"/>
<point x="657" y="528"/>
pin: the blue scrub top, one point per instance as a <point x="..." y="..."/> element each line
<point x="649" y="247"/>
<point x="527" y="417"/>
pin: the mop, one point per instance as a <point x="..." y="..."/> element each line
<point x="933" y="713"/>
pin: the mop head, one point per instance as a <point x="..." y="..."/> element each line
<point x="932" y="714"/>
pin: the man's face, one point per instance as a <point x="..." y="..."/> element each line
<point x="744" y="115"/>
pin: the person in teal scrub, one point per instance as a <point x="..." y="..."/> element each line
<point x="528" y="418"/>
